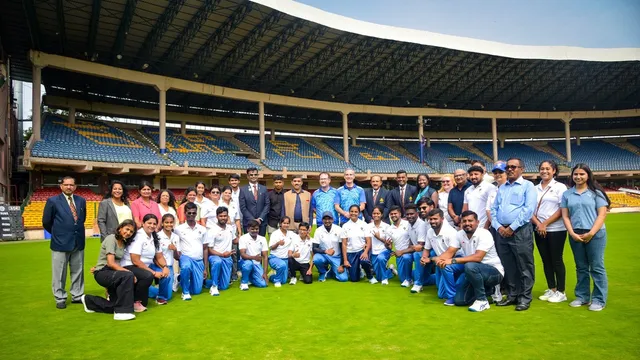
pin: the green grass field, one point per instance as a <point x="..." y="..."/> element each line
<point x="320" y="321"/>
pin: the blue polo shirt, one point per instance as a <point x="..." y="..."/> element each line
<point x="322" y="201"/>
<point x="456" y="198"/>
<point x="515" y="204"/>
<point x="583" y="207"/>
<point x="346" y="197"/>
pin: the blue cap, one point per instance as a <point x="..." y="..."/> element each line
<point x="327" y="214"/>
<point x="499" y="165"/>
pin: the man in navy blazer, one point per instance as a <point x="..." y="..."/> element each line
<point x="403" y="189"/>
<point x="64" y="217"/>
<point x="380" y="195"/>
<point x="254" y="202"/>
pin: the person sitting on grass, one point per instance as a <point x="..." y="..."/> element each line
<point x="220" y="240"/>
<point x="279" y="243"/>
<point x="355" y="246"/>
<point x="118" y="281"/>
<point x="381" y="245"/>
<point x="193" y="253"/>
<point x="168" y="244"/>
<point x="300" y="255"/>
<point x="253" y="257"/>
<point x="140" y="254"/>
<point x="327" y="249"/>
<point x="482" y="267"/>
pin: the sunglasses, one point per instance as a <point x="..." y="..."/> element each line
<point x="215" y="192"/>
<point x="512" y="167"/>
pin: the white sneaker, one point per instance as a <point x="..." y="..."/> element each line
<point x="497" y="295"/>
<point x="557" y="297"/>
<point x="185" y="297"/>
<point x="293" y="281"/>
<point x="385" y="282"/>
<point x="277" y="284"/>
<point x="362" y="273"/>
<point x="373" y="280"/>
<point x="176" y="283"/>
<point x="596" y="307"/>
<point x="577" y="303"/>
<point x="244" y="287"/>
<point x="117" y="316"/>
<point x="405" y="283"/>
<point x="479" y="305"/>
<point x="86" y="309"/>
<point x="416" y="289"/>
<point x="393" y="269"/>
<point x="214" y="291"/>
<point x="547" y="294"/>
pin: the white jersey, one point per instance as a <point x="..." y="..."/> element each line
<point x="253" y="246"/>
<point x="142" y="245"/>
<point x="549" y="200"/>
<point x="400" y="235"/>
<point x="477" y="196"/>
<point x="165" y="241"/>
<point x="219" y="239"/>
<point x="304" y="247"/>
<point x="481" y="240"/>
<point x="282" y="251"/>
<point x="378" y="246"/>
<point x="356" y="234"/>
<point x="208" y="211"/>
<point x="234" y="214"/>
<point x="442" y="241"/>
<point x="329" y="239"/>
<point x="192" y="240"/>
<point x="418" y="232"/>
<point x="443" y="202"/>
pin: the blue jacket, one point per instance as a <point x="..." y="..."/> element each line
<point x="57" y="219"/>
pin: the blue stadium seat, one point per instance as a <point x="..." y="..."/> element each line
<point x="599" y="155"/>
<point x="91" y="141"/>
<point x="369" y="155"/>
<point x="439" y="156"/>
<point x="532" y="157"/>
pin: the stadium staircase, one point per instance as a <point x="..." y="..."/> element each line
<point x="625" y="146"/>
<point x="394" y="145"/>
<point x="317" y="142"/>
<point x="474" y="150"/>
<point x="243" y="147"/>
<point x="544" y="147"/>
<point x="140" y="136"/>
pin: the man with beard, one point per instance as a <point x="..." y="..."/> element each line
<point x="477" y="195"/>
<point x="425" y="206"/>
<point x="327" y="249"/>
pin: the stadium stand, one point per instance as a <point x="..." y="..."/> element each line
<point x="439" y="156"/>
<point x="91" y="141"/>
<point x="620" y="199"/>
<point x="200" y="149"/>
<point x="294" y="154"/>
<point x="600" y="156"/>
<point x="532" y="157"/>
<point x="369" y="155"/>
<point x="32" y="215"/>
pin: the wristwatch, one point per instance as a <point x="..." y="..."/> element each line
<point x="454" y="261"/>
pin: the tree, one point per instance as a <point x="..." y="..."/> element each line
<point x="26" y="136"/>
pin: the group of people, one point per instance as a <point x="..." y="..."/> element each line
<point x="472" y="239"/>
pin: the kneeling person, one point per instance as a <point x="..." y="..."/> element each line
<point x="220" y="240"/>
<point x="327" y="249"/>
<point x="193" y="253"/>
<point x="356" y="244"/>
<point x="253" y="257"/>
<point x="300" y="255"/>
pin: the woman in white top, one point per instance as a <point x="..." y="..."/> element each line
<point x="550" y="234"/>
<point x="208" y="210"/>
<point x="301" y="255"/>
<point x="169" y="242"/>
<point x="232" y="211"/>
<point x="279" y="243"/>
<point x="167" y="203"/>
<point x="201" y="199"/>
<point x="443" y="196"/>
<point x="356" y="243"/>
<point x="113" y="209"/>
<point x="142" y="252"/>
<point x="380" y="247"/>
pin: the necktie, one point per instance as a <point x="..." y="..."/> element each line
<point x="375" y="196"/>
<point x="402" y="197"/>
<point x="255" y="192"/>
<point x="297" y="211"/>
<point x="73" y="209"/>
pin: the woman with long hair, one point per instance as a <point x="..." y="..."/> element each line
<point x="381" y="246"/>
<point x="189" y="197"/>
<point x="550" y="233"/>
<point x="584" y="209"/>
<point x="113" y="209"/>
<point x="168" y="244"/>
<point x="167" y="203"/>
<point x="108" y="272"/>
<point x="356" y="243"/>
<point x="280" y="243"/>
<point x="423" y="190"/>
<point x="443" y="196"/>
<point x="144" y="204"/>
<point x="201" y="194"/>
<point x="233" y="211"/>
<point x="208" y="210"/>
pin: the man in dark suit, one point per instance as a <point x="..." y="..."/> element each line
<point x="402" y="195"/>
<point x="376" y="196"/>
<point x="64" y="217"/>
<point x="254" y="202"/>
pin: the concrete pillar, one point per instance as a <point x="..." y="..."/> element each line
<point x="420" y="128"/>
<point x="35" y="104"/>
<point x="428" y="142"/>
<point x="502" y="139"/>
<point x="494" y="138"/>
<point x="273" y="134"/>
<point x="354" y="137"/>
<point x="163" y="121"/>
<point x="345" y="135"/>
<point x="72" y="115"/>
<point x="263" y="146"/>
<point x="578" y="140"/>
<point x="183" y="128"/>
<point x="567" y="137"/>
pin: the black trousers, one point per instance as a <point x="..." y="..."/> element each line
<point x="551" y="248"/>
<point x="302" y="268"/>
<point x="141" y="288"/>
<point x="516" y="255"/>
<point x="119" y="285"/>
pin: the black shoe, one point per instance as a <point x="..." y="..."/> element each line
<point x="522" y="307"/>
<point x="76" y="301"/>
<point x="506" y="302"/>
<point x="61" y="305"/>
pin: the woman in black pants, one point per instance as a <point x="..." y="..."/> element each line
<point x="118" y="280"/>
<point x="550" y="231"/>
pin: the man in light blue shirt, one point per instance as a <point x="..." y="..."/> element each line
<point x="348" y="195"/>
<point x="511" y="218"/>
<point x="323" y="200"/>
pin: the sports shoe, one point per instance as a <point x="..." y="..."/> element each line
<point x="214" y="291"/>
<point x="84" y="303"/>
<point x="138" y="307"/>
<point x="293" y="281"/>
<point x="557" y="297"/>
<point x="61" y="305"/>
<point x="373" y="281"/>
<point x="362" y="273"/>
<point x="577" y="303"/>
<point x="244" y="287"/>
<point x="161" y="302"/>
<point x="405" y="283"/>
<point x="596" y="307"/>
<point x="547" y="294"/>
<point x="277" y="284"/>
<point x="322" y="277"/>
<point x="479" y="305"/>
<point x="497" y="295"/>
<point x="385" y="282"/>
<point x="185" y="297"/>
<point x="117" y="316"/>
<point x="449" y="302"/>
<point x="176" y="283"/>
<point x="393" y="269"/>
<point x="416" y="289"/>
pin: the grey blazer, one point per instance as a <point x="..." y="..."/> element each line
<point x="107" y="218"/>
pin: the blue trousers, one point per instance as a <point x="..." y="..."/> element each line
<point x="220" y="269"/>
<point x="422" y="274"/>
<point x="329" y="263"/>
<point x="354" y="270"/>
<point x="404" y="263"/>
<point x="380" y="265"/>
<point x="252" y="272"/>
<point x="191" y="275"/>
<point x="446" y="280"/>
<point x="477" y="281"/>
<point x="165" y="285"/>
<point x="589" y="260"/>
<point x="281" y="267"/>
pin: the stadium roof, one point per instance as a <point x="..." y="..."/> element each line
<point x="287" y="48"/>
